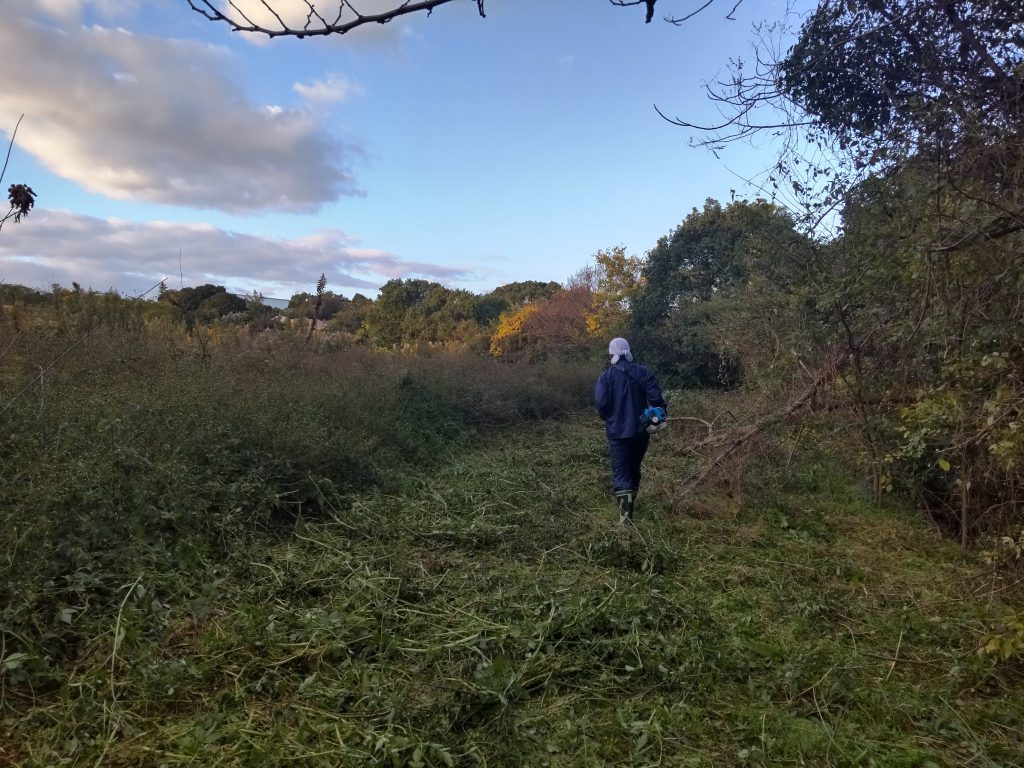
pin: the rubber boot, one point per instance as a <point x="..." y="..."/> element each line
<point x="625" y="500"/>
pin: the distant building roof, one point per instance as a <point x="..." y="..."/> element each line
<point x="269" y="301"/>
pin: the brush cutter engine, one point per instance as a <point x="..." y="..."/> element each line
<point x="654" y="419"/>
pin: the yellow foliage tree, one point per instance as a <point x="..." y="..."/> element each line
<point x="617" y="280"/>
<point x="508" y="337"/>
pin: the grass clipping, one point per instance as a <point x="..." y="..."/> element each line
<point x="495" y="614"/>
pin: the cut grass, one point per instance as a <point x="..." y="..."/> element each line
<point x="494" y="613"/>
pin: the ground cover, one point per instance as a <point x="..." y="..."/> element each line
<point x="490" y="611"/>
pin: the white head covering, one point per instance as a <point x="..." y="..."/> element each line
<point x="618" y="348"/>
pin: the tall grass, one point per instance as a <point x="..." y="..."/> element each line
<point x="149" y="449"/>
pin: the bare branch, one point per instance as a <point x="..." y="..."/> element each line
<point x="681" y="19"/>
<point x="648" y="3"/>
<point x="10" y="146"/>
<point x="21" y="196"/>
<point x="315" y="23"/>
<point x="676" y="20"/>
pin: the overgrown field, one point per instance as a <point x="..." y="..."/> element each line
<point x="201" y="571"/>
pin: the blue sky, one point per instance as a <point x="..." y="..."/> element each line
<point x="470" y="151"/>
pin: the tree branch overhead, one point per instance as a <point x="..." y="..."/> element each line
<point x="347" y="17"/>
<point x="269" y="17"/>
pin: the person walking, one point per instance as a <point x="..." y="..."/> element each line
<point x="622" y="394"/>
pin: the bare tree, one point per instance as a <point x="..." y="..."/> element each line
<point x="303" y="18"/>
<point x="677" y="20"/>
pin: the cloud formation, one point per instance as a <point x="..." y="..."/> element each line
<point x="72" y="10"/>
<point x="333" y="88"/>
<point x="158" y="120"/>
<point x="62" y="247"/>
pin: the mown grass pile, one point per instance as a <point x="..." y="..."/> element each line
<point x="458" y="595"/>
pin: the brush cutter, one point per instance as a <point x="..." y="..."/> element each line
<point x="654" y="419"/>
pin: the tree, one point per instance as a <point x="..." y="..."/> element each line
<point x="509" y="340"/>
<point x="872" y="86"/>
<point x="525" y="291"/>
<point x="309" y="18"/>
<point x="220" y="304"/>
<point x="383" y="325"/>
<point x="613" y="280"/>
<point x="301" y="305"/>
<point x="419" y="311"/>
<point x="618" y="280"/>
<point x="511" y="296"/>
<point x="351" y="314"/>
<point x="923" y="81"/>
<point x="913" y="77"/>
<point x="555" y="327"/>
<point x="441" y="316"/>
<point x="717" y="276"/>
<point x="203" y="302"/>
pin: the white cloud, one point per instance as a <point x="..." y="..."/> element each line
<point x="160" y="120"/>
<point x="62" y="247"/>
<point x="65" y="10"/>
<point x="332" y="89"/>
<point x="72" y="10"/>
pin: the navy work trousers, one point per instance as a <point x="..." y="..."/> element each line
<point x="626" y="456"/>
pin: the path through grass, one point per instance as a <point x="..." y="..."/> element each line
<point x="495" y="614"/>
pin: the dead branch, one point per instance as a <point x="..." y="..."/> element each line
<point x="21" y="196"/>
<point x="728" y="443"/>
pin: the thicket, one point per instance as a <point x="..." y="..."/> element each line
<point x="918" y="346"/>
<point x="885" y="274"/>
<point x="925" y="100"/>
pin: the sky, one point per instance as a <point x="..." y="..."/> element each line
<point x="472" y="152"/>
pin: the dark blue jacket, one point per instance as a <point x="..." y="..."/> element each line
<point x="621" y="394"/>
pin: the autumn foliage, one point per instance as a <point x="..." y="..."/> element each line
<point x="553" y="327"/>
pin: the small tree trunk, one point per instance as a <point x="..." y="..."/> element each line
<point x="312" y="322"/>
<point x="320" y="285"/>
